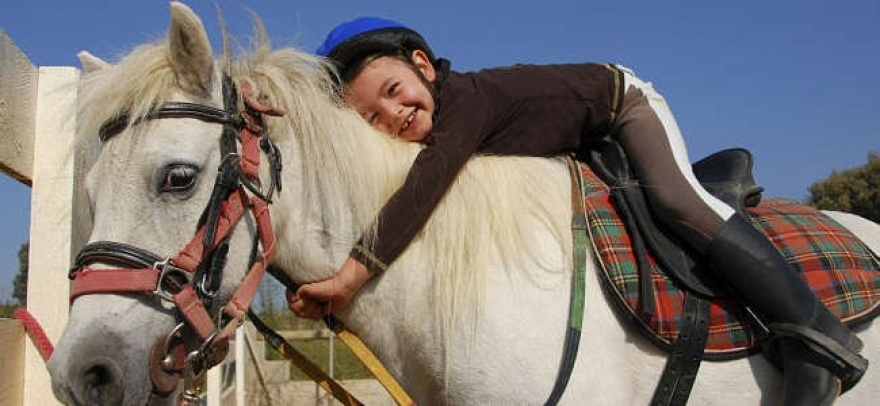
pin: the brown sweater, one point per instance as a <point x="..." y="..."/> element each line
<point x="530" y="110"/>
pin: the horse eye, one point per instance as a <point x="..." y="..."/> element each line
<point x="179" y="178"/>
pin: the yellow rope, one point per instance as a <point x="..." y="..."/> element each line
<point x="371" y="362"/>
<point x="313" y="371"/>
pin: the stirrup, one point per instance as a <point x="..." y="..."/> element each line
<point x="843" y="361"/>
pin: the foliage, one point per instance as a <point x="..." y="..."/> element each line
<point x="19" y="284"/>
<point x="6" y="310"/>
<point x="345" y="364"/>
<point x="855" y="190"/>
<point x="284" y="319"/>
<point x="271" y="307"/>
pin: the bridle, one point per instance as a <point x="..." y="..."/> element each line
<point x="191" y="278"/>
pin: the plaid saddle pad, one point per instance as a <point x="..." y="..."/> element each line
<point x="841" y="270"/>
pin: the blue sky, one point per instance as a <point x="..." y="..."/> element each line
<point x="794" y="81"/>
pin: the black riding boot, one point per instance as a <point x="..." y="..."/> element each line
<point x="818" y="352"/>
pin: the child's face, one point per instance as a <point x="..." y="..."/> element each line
<point x="393" y="96"/>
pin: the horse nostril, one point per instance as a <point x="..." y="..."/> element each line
<point x="100" y="385"/>
<point x="96" y="379"/>
<point x="97" y="376"/>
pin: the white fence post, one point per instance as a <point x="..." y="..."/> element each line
<point x="240" y="363"/>
<point x="214" y="382"/>
<point x="38" y="124"/>
<point x="53" y="238"/>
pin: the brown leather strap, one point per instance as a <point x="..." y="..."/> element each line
<point x="89" y="281"/>
<point x="674" y="386"/>
<point x="193" y="311"/>
<point x="230" y="213"/>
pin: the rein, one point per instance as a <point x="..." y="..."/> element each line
<point x="191" y="278"/>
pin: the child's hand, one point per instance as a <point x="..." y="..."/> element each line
<point x="315" y="300"/>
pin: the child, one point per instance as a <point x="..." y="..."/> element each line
<point x="390" y="75"/>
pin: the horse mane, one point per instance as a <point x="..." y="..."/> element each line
<point x="350" y="170"/>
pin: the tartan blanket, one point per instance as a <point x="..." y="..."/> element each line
<point x="841" y="270"/>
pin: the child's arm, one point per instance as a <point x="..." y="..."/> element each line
<point x="399" y="220"/>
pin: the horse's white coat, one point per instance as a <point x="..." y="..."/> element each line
<point x="491" y="333"/>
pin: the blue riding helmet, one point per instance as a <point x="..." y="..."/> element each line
<point x="349" y="43"/>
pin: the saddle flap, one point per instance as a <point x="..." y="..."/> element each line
<point x="841" y="269"/>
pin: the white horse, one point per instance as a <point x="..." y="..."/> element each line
<point x="475" y="310"/>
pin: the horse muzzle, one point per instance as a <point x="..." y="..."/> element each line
<point x="88" y="380"/>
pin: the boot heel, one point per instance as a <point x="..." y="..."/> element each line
<point x="842" y="361"/>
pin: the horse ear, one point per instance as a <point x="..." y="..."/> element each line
<point x="91" y="63"/>
<point x="190" y="51"/>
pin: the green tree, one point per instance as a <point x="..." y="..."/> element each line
<point x="19" y="285"/>
<point x="855" y="190"/>
<point x="6" y="310"/>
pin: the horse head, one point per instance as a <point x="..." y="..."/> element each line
<point x="179" y="193"/>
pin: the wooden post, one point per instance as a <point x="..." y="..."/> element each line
<point x="18" y="97"/>
<point x="38" y="124"/>
<point x="53" y="238"/>
<point x="12" y="359"/>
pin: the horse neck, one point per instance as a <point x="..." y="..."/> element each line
<point x="347" y="172"/>
<point x="340" y="173"/>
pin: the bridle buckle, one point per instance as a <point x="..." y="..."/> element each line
<point x="171" y="279"/>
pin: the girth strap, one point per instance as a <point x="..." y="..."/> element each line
<point x="683" y="363"/>
<point x="576" y="306"/>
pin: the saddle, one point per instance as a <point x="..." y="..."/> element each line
<point x="661" y="286"/>
<point x="725" y="174"/>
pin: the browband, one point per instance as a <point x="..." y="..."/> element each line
<point x="115" y="125"/>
